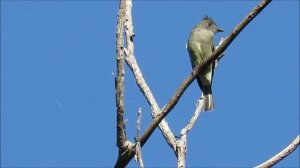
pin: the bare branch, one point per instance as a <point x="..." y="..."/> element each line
<point x="181" y="151"/>
<point x="138" y="123"/>
<point x="194" y="118"/>
<point x="165" y="129"/>
<point x="144" y="88"/>
<point x="119" y="80"/>
<point x="281" y="155"/>
<point x="139" y="159"/>
<point x="221" y="56"/>
<point x="138" y="149"/>
<point x="122" y="142"/>
<point x="181" y="146"/>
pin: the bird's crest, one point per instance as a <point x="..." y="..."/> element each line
<point x="207" y="18"/>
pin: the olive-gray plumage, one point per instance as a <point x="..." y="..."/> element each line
<point x="200" y="45"/>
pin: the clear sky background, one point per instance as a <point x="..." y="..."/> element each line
<point x="57" y="83"/>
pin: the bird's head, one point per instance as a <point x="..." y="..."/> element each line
<point x="208" y="23"/>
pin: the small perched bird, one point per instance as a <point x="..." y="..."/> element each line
<point x="201" y="45"/>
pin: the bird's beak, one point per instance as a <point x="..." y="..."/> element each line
<point x="220" y="30"/>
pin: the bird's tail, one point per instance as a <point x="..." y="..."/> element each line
<point x="208" y="102"/>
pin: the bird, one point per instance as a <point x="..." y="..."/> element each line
<point x="200" y="46"/>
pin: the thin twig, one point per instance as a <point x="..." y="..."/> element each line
<point x="222" y="55"/>
<point x="138" y="123"/>
<point x="139" y="158"/>
<point x="194" y="118"/>
<point x="281" y="155"/>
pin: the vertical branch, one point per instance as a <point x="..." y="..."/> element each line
<point x="138" y="123"/>
<point x="119" y="80"/>
<point x="138" y="155"/>
<point x="181" y="151"/>
<point x="126" y="148"/>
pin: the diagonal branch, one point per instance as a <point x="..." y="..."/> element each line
<point x="281" y="155"/>
<point x="194" y="118"/>
<point x="163" y="125"/>
<point x="140" y="81"/>
<point x="179" y="92"/>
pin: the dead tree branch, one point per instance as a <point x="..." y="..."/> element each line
<point x="181" y="151"/>
<point x="119" y="81"/>
<point x="122" y="142"/>
<point x="194" y="118"/>
<point x="281" y="155"/>
<point x="140" y="81"/>
<point x="138" y="149"/>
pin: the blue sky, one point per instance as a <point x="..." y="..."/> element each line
<point x="57" y="83"/>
